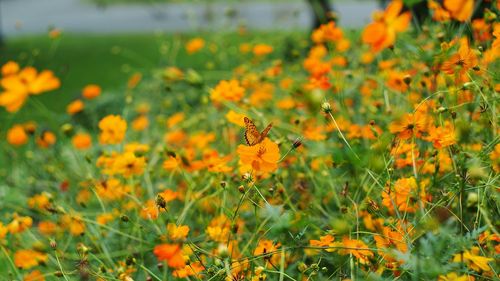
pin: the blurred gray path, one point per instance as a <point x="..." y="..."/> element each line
<point x="21" y="17"/>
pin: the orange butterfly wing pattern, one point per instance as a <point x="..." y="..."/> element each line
<point x="252" y="135"/>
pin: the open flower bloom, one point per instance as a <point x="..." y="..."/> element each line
<point x="113" y="129"/>
<point x="262" y="157"/>
<point x="18" y="86"/>
<point x="382" y="32"/>
<point x="403" y="196"/>
<point x="171" y="253"/>
<point x="460" y="10"/>
<point x="356" y="248"/>
<point x="26" y="259"/>
<point x="460" y="62"/>
<point x="177" y="232"/>
<point x="227" y="91"/>
<point x="473" y="260"/>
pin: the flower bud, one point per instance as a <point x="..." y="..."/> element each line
<point x="326" y="107"/>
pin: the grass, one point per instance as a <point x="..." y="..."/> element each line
<point x="109" y="60"/>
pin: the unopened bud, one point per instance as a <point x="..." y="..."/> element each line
<point x="53" y="244"/>
<point x="326" y="107"/>
<point x="297" y="143"/>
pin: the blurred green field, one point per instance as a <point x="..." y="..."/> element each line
<point x="109" y="60"/>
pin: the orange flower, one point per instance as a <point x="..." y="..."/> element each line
<point x="171" y="253"/>
<point x="177" y="232"/>
<point x="75" y="107"/>
<point x="74" y="224"/>
<point x="91" y="91"/>
<point x="495" y="158"/>
<point x="194" y="45"/>
<point x="403" y="196"/>
<point x="175" y="119"/>
<point x="396" y="82"/>
<point x="382" y="32"/>
<point x="262" y="49"/>
<point x="324" y="241"/>
<point x="134" y="80"/>
<point x="35" y="275"/>
<point x="17" y="135"/>
<point x="19" y="224"/>
<point x="3" y="231"/>
<point x="235" y="118"/>
<point x="410" y="124"/>
<point x="461" y="61"/>
<point x="441" y="136"/>
<point x="47" y="227"/>
<point x="27" y="259"/>
<point x="113" y="129"/>
<point x="171" y="163"/>
<point x="460" y="10"/>
<point x="327" y="33"/>
<point x="390" y="238"/>
<point x="269" y="250"/>
<point x="439" y="14"/>
<point x="227" y="91"/>
<point x="189" y="270"/>
<point x="9" y="68"/>
<point x="17" y="87"/>
<point x="356" y="248"/>
<point x="262" y="157"/>
<point x="140" y="123"/>
<point x="81" y="141"/>
<point x="46" y="139"/>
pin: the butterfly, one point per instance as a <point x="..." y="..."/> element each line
<point x="252" y="135"/>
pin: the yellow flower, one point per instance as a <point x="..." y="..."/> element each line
<point x="113" y="129"/>
<point x="454" y="277"/>
<point x="73" y="223"/>
<point x="17" y="87"/>
<point x="19" y="224"/>
<point x="473" y="260"/>
<point x="128" y="164"/>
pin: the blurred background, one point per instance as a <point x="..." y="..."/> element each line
<point x="20" y="17"/>
<point x="105" y="42"/>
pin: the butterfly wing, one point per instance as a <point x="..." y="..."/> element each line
<point x="252" y="135"/>
<point x="263" y="135"/>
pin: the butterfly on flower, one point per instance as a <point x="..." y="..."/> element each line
<point x="252" y="135"/>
